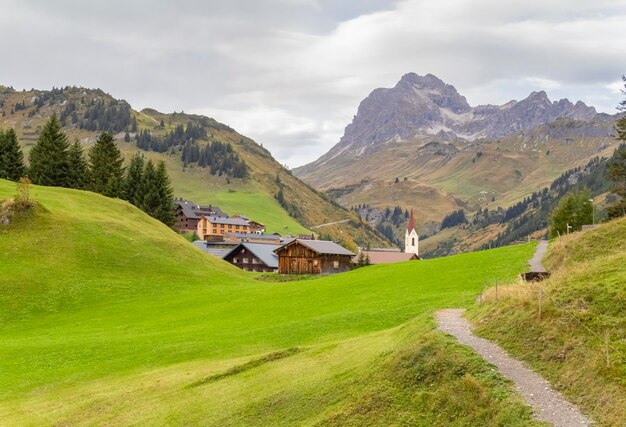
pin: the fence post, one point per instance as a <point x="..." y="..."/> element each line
<point x="540" y="303"/>
<point x="606" y="348"/>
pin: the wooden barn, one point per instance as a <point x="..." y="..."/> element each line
<point x="313" y="257"/>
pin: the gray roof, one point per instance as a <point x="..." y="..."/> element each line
<point x="219" y="251"/>
<point x="231" y="221"/>
<point x="254" y="236"/>
<point x="325" y="247"/>
<point x="262" y="251"/>
<point x="191" y="210"/>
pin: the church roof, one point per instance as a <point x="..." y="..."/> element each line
<point x="411" y="226"/>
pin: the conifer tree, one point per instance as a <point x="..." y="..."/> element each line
<point x="77" y="175"/>
<point x="165" y="211"/>
<point x="11" y="157"/>
<point x="49" y="163"/>
<point x="148" y="194"/>
<point x="105" y="167"/>
<point x="132" y="180"/>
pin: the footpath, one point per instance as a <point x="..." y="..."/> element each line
<point x="548" y="405"/>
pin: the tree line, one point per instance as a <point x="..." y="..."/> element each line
<point x="53" y="161"/>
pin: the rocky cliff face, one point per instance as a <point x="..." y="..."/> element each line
<point x="427" y="105"/>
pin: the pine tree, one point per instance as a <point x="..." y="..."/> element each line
<point x="77" y="175"/>
<point x="11" y="157"/>
<point x="105" y="167"/>
<point x="132" y="180"/>
<point x="49" y="163"/>
<point x="148" y="194"/>
<point x="165" y="212"/>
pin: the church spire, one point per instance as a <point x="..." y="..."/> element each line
<point x="411" y="226"/>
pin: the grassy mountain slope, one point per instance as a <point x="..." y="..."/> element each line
<point x="479" y="174"/>
<point x="584" y="298"/>
<point x="109" y="316"/>
<point x="253" y="196"/>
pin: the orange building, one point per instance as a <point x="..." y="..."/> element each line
<point x="214" y="228"/>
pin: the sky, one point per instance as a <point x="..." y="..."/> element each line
<point x="290" y="73"/>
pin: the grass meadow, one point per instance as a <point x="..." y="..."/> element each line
<point x="109" y="317"/>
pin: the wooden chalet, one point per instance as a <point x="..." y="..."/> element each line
<point x="258" y="257"/>
<point x="188" y="214"/>
<point x="313" y="257"/>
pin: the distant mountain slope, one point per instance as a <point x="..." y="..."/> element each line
<point x="85" y="112"/>
<point x="420" y="144"/>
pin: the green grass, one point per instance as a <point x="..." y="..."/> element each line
<point x="584" y="298"/>
<point x="240" y="197"/>
<point x="106" y="314"/>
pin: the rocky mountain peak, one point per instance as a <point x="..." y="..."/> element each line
<point x="427" y="105"/>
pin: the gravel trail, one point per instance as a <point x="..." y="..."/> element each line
<point x="535" y="261"/>
<point x="548" y="405"/>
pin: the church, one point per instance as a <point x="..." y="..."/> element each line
<point x="411" y="238"/>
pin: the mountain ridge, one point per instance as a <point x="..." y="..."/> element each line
<point x="427" y="105"/>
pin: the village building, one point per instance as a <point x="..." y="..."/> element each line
<point x="411" y="238"/>
<point x="374" y="257"/>
<point x="214" y="228"/>
<point x="257" y="257"/>
<point x="217" y="249"/>
<point x="274" y="239"/>
<point x="188" y="214"/>
<point x="256" y="227"/>
<point x="313" y="257"/>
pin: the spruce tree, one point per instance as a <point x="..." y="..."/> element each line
<point x="11" y="157"/>
<point x="132" y="180"/>
<point x="77" y="176"/>
<point x="105" y="167"/>
<point x="49" y="163"/>
<point x="148" y="193"/>
<point x="165" y="211"/>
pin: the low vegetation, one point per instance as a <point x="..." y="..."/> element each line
<point x="583" y="304"/>
<point x="129" y="315"/>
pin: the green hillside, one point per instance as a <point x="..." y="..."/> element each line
<point x="107" y="316"/>
<point x="583" y="300"/>
<point x="93" y="111"/>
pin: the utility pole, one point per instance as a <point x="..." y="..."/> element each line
<point x="593" y="213"/>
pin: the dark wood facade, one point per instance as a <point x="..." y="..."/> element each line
<point x="295" y="258"/>
<point x="247" y="260"/>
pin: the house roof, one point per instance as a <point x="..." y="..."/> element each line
<point x="191" y="210"/>
<point x="262" y="251"/>
<point x="219" y="251"/>
<point x="253" y="236"/>
<point x="322" y="247"/>
<point x="222" y="220"/>
<point x="387" y="257"/>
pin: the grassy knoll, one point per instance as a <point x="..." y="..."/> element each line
<point x="108" y="316"/>
<point x="587" y="290"/>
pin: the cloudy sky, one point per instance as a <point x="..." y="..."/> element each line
<point x="290" y="73"/>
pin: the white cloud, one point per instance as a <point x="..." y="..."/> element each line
<point x="290" y="74"/>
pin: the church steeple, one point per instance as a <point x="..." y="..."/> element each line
<point x="411" y="225"/>
<point x="411" y="238"/>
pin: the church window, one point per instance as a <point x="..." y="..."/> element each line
<point x="413" y="241"/>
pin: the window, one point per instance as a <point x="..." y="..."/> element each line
<point x="413" y="241"/>
<point x="235" y="261"/>
<point x="335" y="264"/>
<point x="245" y="260"/>
<point x="316" y="263"/>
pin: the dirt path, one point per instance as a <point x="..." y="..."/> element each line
<point x="547" y="404"/>
<point x="329" y="223"/>
<point x="535" y="261"/>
